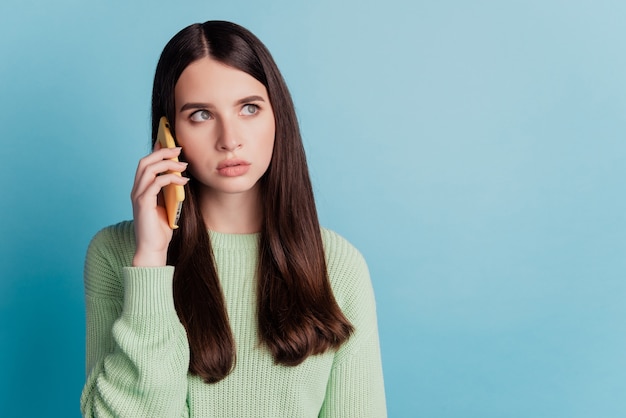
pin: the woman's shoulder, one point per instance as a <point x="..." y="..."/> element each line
<point x="117" y="236"/>
<point x="110" y="250"/>
<point x="338" y="247"/>
<point x="347" y="268"/>
<point x="352" y="287"/>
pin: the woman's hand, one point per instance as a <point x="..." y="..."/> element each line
<point x="152" y="230"/>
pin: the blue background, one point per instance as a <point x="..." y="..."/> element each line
<point x="473" y="151"/>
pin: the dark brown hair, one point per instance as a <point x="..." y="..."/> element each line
<point x="296" y="310"/>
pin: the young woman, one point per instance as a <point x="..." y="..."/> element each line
<point x="249" y="308"/>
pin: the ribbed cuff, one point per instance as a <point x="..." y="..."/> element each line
<point x="148" y="290"/>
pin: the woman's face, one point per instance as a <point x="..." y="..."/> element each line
<point x="225" y="125"/>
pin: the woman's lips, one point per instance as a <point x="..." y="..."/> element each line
<point x="233" y="168"/>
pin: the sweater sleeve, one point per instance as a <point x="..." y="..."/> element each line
<point x="137" y="352"/>
<point x="355" y="388"/>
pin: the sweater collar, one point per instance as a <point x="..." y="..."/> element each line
<point x="234" y="241"/>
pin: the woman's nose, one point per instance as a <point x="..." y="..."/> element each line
<point x="228" y="140"/>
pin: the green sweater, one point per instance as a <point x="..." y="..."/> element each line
<point x="138" y="355"/>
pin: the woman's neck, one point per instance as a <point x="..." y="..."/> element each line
<point x="231" y="213"/>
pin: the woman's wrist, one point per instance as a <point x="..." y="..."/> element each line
<point x="149" y="259"/>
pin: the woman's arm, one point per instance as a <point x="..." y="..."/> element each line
<point x="137" y="351"/>
<point x="355" y="388"/>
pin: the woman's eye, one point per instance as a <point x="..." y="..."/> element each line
<point x="200" y="116"/>
<point x="250" y="109"/>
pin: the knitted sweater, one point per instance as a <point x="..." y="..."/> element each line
<point x="138" y="355"/>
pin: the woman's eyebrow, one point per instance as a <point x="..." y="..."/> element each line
<point x="250" y="99"/>
<point x="188" y="106"/>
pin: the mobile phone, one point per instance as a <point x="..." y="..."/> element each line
<point x="173" y="194"/>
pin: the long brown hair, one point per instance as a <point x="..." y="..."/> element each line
<point x="296" y="310"/>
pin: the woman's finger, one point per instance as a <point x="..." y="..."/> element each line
<point x="150" y="193"/>
<point x="146" y="173"/>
